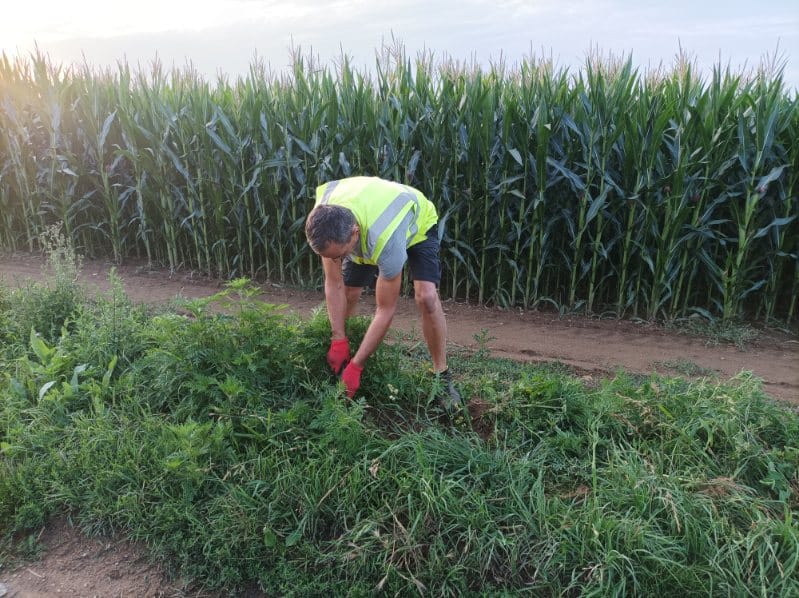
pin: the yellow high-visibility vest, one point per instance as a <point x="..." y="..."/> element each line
<point x="379" y="207"/>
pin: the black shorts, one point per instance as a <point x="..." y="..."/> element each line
<point x="423" y="264"/>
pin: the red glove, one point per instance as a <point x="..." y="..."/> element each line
<point x="338" y="354"/>
<point x="351" y="376"/>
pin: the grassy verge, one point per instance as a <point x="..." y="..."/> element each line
<point x="217" y="437"/>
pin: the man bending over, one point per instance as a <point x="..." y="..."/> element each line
<point x="366" y="227"/>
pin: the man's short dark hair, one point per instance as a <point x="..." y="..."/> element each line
<point x="328" y="224"/>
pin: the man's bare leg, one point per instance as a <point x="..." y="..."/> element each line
<point x="434" y="323"/>
<point x="353" y="296"/>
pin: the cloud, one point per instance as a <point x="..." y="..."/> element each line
<point x="224" y="36"/>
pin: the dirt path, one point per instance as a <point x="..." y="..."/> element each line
<point x="73" y="565"/>
<point x="592" y="346"/>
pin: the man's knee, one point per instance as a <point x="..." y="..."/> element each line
<point x="353" y="294"/>
<point x="426" y="297"/>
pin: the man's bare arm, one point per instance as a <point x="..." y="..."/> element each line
<point x="386" y="296"/>
<point x="335" y="296"/>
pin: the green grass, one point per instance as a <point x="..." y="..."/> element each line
<point x="219" y="439"/>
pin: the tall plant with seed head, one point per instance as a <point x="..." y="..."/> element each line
<point x="656" y="194"/>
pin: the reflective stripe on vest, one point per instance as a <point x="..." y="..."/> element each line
<point x="379" y="208"/>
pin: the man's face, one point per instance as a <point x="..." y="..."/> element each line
<point x="336" y="251"/>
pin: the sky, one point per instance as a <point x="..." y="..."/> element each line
<point x="223" y="36"/>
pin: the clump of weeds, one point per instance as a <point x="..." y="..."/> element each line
<point x="47" y="307"/>
<point x="716" y="331"/>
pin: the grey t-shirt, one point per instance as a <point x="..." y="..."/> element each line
<point x="395" y="251"/>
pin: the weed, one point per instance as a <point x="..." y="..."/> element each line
<point x="47" y="308"/>
<point x="716" y="331"/>
<point x="686" y="367"/>
<point x="62" y="258"/>
<point x="483" y="338"/>
<point x="221" y="439"/>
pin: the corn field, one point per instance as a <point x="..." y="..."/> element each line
<point x="653" y="195"/>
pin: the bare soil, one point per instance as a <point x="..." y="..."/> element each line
<point x="76" y="566"/>
<point x="73" y="565"/>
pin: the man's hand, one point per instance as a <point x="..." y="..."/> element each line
<point x="351" y="376"/>
<point x="338" y="354"/>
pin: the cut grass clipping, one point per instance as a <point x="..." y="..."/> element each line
<point x="217" y="437"/>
